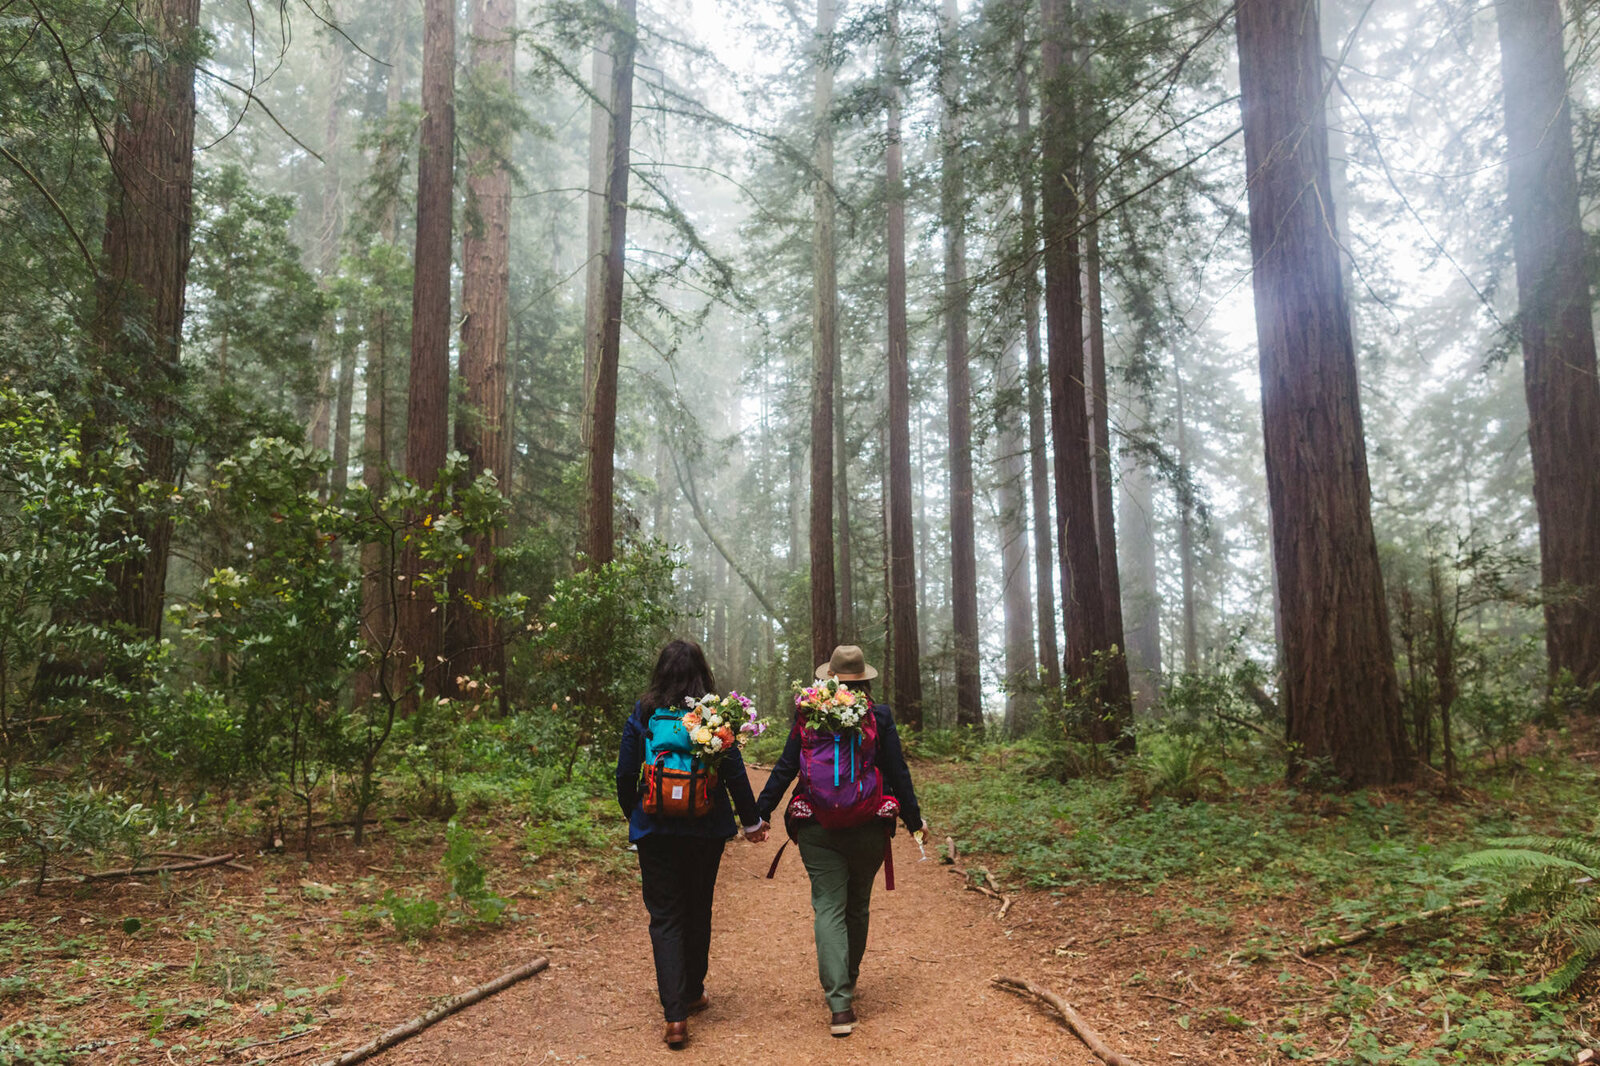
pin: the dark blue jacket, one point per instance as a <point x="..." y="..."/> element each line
<point x="732" y="782"/>
<point x="891" y="762"/>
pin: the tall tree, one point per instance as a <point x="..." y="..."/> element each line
<point x="906" y="652"/>
<point x="144" y="267"/>
<point x="1089" y="658"/>
<point x="1558" y="345"/>
<point x="600" y="405"/>
<point x="958" y="378"/>
<point x="1340" y="695"/>
<point x="824" y="345"/>
<point x="1016" y="596"/>
<point x="428" y="399"/>
<point x="595" y="266"/>
<point x="482" y="433"/>
<point x="1141" y="597"/>
<point x="1186" y="523"/>
<point x="1038" y="452"/>
<point x="1100" y="447"/>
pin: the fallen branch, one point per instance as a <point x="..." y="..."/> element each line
<point x="188" y="855"/>
<point x="997" y="892"/>
<point x="165" y="868"/>
<point x="1080" y="1028"/>
<point x="444" y="1010"/>
<point x="1317" y="947"/>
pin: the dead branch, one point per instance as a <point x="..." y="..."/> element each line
<point x="1317" y="947"/>
<point x="444" y="1010"/>
<point x="1080" y="1028"/>
<point x="165" y="868"/>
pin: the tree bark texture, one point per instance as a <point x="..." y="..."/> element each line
<point x="379" y="617"/>
<point x="824" y="349"/>
<point x="600" y="414"/>
<point x="1100" y="445"/>
<point x="1340" y="694"/>
<point x="139" y="296"/>
<point x="428" y="401"/>
<point x="1038" y="451"/>
<point x="481" y="431"/>
<point x="595" y="264"/>
<point x="1016" y="596"/>
<point x="958" y="381"/>
<point x="1558" y="345"/>
<point x="906" y="653"/>
<point x="1086" y="659"/>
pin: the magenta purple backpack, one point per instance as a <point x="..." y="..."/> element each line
<point x="839" y="775"/>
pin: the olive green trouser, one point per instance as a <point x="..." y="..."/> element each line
<point x="843" y="864"/>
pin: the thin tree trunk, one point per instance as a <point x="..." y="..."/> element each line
<point x="481" y="432"/>
<point x="1104" y="499"/>
<point x="379" y="617"/>
<point x="139" y="296"/>
<point x="841" y="452"/>
<point x="1087" y="660"/>
<point x="1038" y="453"/>
<point x="1141" y="594"/>
<point x="330" y="393"/>
<point x="1016" y="596"/>
<point x="1185" y="492"/>
<point x="428" y="402"/>
<point x="958" y="379"/>
<point x="906" y="657"/>
<point x="601" y="414"/>
<point x="1558" y="345"/>
<point x="595" y="263"/>
<point x="824" y="349"/>
<point x="1340" y="694"/>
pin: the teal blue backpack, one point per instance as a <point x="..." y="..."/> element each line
<point x="675" y="784"/>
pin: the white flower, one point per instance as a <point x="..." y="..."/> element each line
<point x="716" y="743"/>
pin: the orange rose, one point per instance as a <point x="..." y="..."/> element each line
<point x="691" y="719"/>
<point x="726" y="736"/>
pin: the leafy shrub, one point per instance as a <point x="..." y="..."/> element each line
<point x="1175" y="767"/>
<point x="414" y="916"/>
<point x="469" y="879"/>
<point x="48" y="821"/>
<point x="1555" y="877"/>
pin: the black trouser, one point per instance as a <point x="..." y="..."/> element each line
<point x="679" y="874"/>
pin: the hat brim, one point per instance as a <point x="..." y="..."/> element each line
<point x="823" y="673"/>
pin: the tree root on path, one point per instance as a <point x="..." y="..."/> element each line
<point x="444" y="1010"/>
<point x="1080" y="1028"/>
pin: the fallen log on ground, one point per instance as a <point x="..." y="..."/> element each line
<point x="1080" y="1028"/>
<point x="1317" y="947"/>
<point x="164" y="868"/>
<point x="422" y="1021"/>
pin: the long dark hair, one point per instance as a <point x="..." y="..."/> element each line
<point x="681" y="671"/>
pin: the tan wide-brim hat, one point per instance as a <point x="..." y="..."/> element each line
<point x="848" y="664"/>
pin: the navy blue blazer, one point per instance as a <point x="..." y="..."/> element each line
<point x="733" y="784"/>
<point x="891" y="763"/>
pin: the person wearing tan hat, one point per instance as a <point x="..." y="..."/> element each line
<point x="842" y="860"/>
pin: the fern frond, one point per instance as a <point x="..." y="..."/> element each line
<point x="1578" y="849"/>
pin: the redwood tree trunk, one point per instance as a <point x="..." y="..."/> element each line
<point x="1142" y="596"/>
<point x="1104" y="504"/>
<point x="958" y="379"/>
<point x="1038" y="452"/>
<point x="1089" y="657"/>
<point x="144" y="267"/>
<point x="1016" y="596"/>
<point x="1558" y="345"/>
<point x="1186" y="560"/>
<point x="824" y="351"/>
<point x="481" y="431"/>
<point x="906" y="655"/>
<point x="428" y="402"/>
<point x="600" y="416"/>
<point x="1340" y="694"/>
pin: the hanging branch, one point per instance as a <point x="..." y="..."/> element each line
<point x="1074" y="1020"/>
<point x="686" y="483"/>
<point x="444" y="1010"/>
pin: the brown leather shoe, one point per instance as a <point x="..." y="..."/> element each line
<point x="843" y="1023"/>
<point x="677" y="1034"/>
<point x="700" y="1004"/>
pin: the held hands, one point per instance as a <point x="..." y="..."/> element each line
<point x="759" y="834"/>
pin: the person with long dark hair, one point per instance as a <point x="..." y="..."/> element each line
<point x="680" y="844"/>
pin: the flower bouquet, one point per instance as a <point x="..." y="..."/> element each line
<point x="718" y="725"/>
<point x="831" y="706"/>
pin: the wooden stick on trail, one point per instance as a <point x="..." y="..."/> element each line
<point x="166" y="868"/>
<point x="444" y="1010"/>
<point x="1317" y="947"/>
<point x="1095" y="1042"/>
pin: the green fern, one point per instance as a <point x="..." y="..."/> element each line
<point x="1555" y="877"/>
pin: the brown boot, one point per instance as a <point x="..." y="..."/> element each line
<point x="677" y="1034"/>
<point x="700" y="1004"/>
<point x="843" y="1023"/>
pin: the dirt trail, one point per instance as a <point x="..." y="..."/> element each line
<point x="923" y="997"/>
